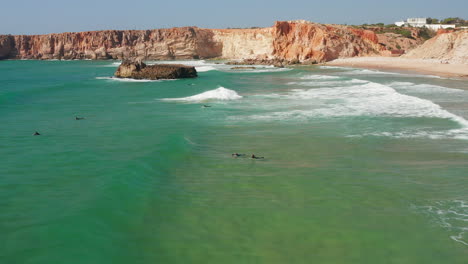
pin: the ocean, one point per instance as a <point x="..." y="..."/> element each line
<point x="359" y="166"/>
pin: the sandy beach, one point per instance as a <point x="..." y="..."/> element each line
<point x="429" y="67"/>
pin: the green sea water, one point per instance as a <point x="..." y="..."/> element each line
<point x="359" y="166"/>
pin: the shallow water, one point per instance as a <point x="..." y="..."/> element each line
<point x="360" y="166"/>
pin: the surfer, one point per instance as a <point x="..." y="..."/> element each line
<point x="205" y="106"/>
<point x="79" y="118"/>
<point x="36" y="134"/>
<point x="235" y="155"/>
<point x="255" y="157"/>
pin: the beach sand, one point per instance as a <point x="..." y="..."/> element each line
<point x="430" y="67"/>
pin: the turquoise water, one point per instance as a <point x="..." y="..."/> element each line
<point x="360" y="166"/>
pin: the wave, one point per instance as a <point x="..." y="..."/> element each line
<point x="184" y="62"/>
<point x="354" y="71"/>
<point x="461" y="133"/>
<point x="329" y="83"/>
<point x="205" y="68"/>
<point x="265" y="70"/>
<point x="367" y="99"/>
<point x="451" y="215"/>
<point x="332" y="67"/>
<point x="220" y="93"/>
<point x="195" y="63"/>
<point x="424" y="88"/>
<point x="320" y="77"/>
<point x="129" y="79"/>
<point x="113" y="64"/>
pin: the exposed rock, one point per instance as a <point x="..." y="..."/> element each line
<point x="139" y="70"/>
<point x="245" y="43"/>
<point x="275" y="62"/>
<point x="395" y="43"/>
<point x="319" y="43"/>
<point x="243" y="68"/>
<point x="449" y="47"/>
<point x="6" y="46"/>
<point x="158" y="44"/>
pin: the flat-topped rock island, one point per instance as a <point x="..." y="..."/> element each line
<point x="139" y="70"/>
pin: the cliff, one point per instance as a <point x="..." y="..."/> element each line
<point x="292" y="40"/>
<point x="305" y="41"/>
<point x="446" y="47"/>
<point x="158" y="44"/>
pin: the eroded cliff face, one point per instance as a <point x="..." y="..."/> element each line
<point x="158" y="44"/>
<point x="305" y="41"/>
<point x="245" y="43"/>
<point x="6" y="46"/>
<point x="450" y="47"/>
<point x="293" y="40"/>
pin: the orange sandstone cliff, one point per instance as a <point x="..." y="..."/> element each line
<point x="292" y="41"/>
<point x="306" y="41"/>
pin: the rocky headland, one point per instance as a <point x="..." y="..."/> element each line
<point x="136" y="69"/>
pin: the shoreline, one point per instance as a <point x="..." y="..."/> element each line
<point x="404" y="65"/>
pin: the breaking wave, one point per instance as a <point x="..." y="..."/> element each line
<point x="319" y="83"/>
<point x="320" y="77"/>
<point x="129" y="79"/>
<point x="368" y="99"/>
<point x="423" y="88"/>
<point x="261" y="70"/>
<point x="205" y="68"/>
<point x="220" y="93"/>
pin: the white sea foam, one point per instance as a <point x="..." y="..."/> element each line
<point x="113" y="64"/>
<point x="451" y="215"/>
<point x="128" y="79"/>
<point x="367" y="99"/>
<point x="319" y="77"/>
<point x="261" y="70"/>
<point x="354" y="71"/>
<point x="424" y="88"/>
<point x="332" y="67"/>
<point x="205" y="68"/>
<point x="220" y="93"/>
<point x="319" y="83"/>
<point x="461" y="133"/>
<point x="195" y="63"/>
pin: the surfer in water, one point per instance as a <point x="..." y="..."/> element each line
<point x="205" y="106"/>
<point x="36" y="134"/>
<point x="235" y="155"/>
<point x="255" y="157"/>
<point x="79" y="118"/>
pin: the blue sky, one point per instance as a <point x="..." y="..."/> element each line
<point x="53" y="16"/>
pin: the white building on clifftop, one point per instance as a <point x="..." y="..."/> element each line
<point x="421" y="22"/>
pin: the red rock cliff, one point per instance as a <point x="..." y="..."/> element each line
<point x="174" y="43"/>
<point x="305" y="41"/>
<point x="294" y="40"/>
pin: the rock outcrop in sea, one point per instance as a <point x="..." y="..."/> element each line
<point x="286" y="41"/>
<point x="138" y="70"/>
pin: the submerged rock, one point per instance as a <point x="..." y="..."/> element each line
<point x="139" y="70"/>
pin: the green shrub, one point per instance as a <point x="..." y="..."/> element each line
<point x="404" y="32"/>
<point x="426" y="34"/>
